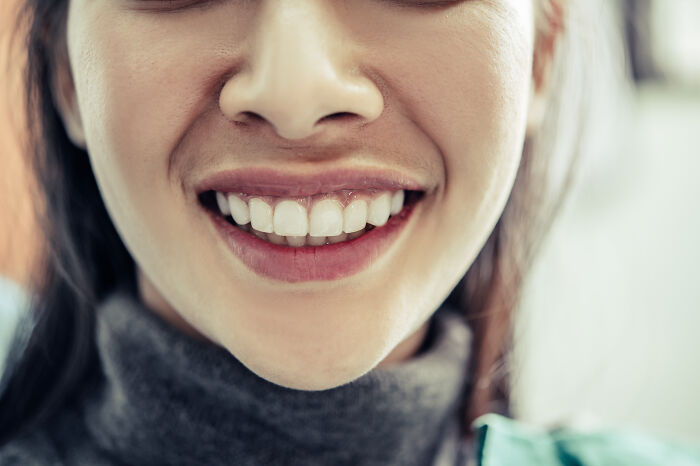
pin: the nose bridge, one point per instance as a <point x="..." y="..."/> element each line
<point x="291" y="36"/>
<point x="298" y="72"/>
<point x="293" y="55"/>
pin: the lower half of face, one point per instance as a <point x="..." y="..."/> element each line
<point x="310" y="256"/>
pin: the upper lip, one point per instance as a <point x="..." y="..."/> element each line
<point x="273" y="182"/>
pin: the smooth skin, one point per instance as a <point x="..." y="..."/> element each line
<point x="161" y="95"/>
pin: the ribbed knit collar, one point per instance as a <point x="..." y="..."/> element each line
<point x="167" y="398"/>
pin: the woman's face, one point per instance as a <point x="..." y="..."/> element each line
<point x="285" y="104"/>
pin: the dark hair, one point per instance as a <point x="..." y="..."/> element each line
<point x="52" y="354"/>
<point x="52" y="358"/>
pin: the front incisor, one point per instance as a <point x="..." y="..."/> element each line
<point x="326" y="218"/>
<point x="290" y="219"/>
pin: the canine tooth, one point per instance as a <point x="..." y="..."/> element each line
<point x="239" y="209"/>
<point x="326" y="218"/>
<point x="296" y="241"/>
<point x="260" y="215"/>
<point x="276" y="239"/>
<point x="290" y="219"/>
<point x="378" y="210"/>
<point x="337" y="238"/>
<point x="355" y="216"/>
<point x="223" y="203"/>
<point x="315" y="240"/>
<point x="397" y="202"/>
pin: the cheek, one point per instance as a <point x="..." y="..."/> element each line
<point x="136" y="95"/>
<point x="139" y="90"/>
<point x="481" y="142"/>
<point x="467" y="89"/>
<point x="475" y="86"/>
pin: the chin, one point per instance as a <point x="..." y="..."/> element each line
<point x="314" y="379"/>
<point x="317" y="370"/>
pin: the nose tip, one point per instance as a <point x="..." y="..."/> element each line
<point x="301" y="107"/>
<point x="300" y="74"/>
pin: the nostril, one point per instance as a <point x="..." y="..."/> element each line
<point x="248" y="117"/>
<point x="339" y="116"/>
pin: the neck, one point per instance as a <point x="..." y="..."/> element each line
<point x="169" y="398"/>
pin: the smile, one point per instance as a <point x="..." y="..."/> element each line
<point x="314" y="236"/>
<point x="312" y="221"/>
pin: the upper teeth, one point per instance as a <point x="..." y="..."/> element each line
<point x="355" y="216"/>
<point x="329" y="218"/>
<point x="326" y="218"/>
<point x="289" y="219"/>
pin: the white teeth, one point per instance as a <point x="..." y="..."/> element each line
<point x="337" y="238"/>
<point x="379" y="209"/>
<point x="316" y="240"/>
<point x="397" y="202"/>
<point x="288" y="223"/>
<point x="296" y="241"/>
<point x="260" y="215"/>
<point x="290" y="219"/>
<point x="223" y="203"/>
<point x="239" y="209"/>
<point x="326" y="218"/>
<point x="355" y="216"/>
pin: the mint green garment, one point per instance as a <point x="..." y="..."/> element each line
<point x="504" y="442"/>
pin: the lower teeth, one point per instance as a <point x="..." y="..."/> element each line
<point x="296" y="241"/>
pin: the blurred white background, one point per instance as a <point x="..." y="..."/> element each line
<point x="610" y="323"/>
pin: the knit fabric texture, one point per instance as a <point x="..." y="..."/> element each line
<point x="166" y="398"/>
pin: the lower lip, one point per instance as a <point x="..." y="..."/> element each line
<point x="311" y="263"/>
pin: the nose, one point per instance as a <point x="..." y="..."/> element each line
<point x="300" y="73"/>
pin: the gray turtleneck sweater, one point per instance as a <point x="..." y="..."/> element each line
<point x="167" y="399"/>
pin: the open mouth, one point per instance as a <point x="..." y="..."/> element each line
<point x="295" y="227"/>
<point x="310" y="221"/>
